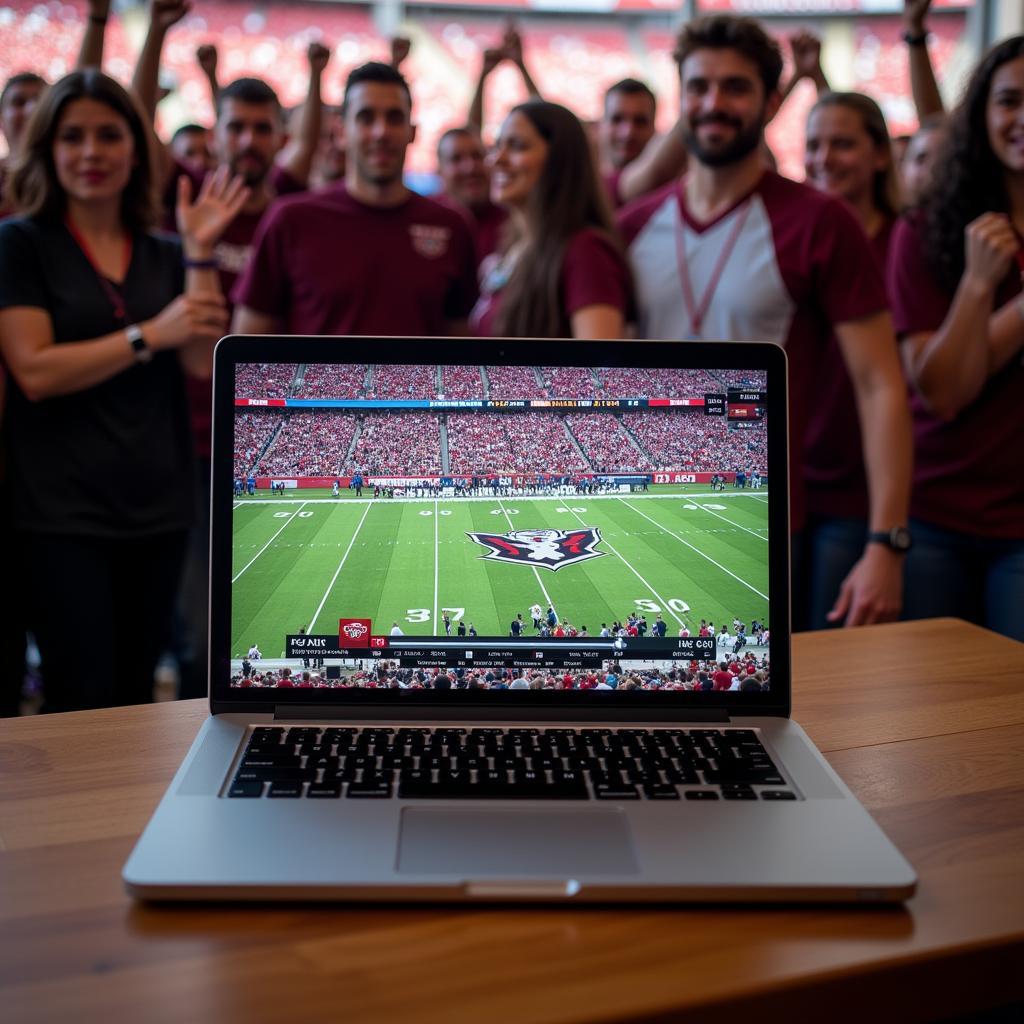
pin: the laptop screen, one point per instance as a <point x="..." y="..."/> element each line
<point x="493" y="527"/>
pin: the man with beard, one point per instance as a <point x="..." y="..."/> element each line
<point x="368" y="256"/>
<point x="733" y="251"/>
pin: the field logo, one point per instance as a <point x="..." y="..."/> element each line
<point x="550" y="549"/>
<point x="353" y="632"/>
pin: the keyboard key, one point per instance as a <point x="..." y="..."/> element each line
<point x="371" y="789"/>
<point x="655" y="792"/>
<point x="285" y="789"/>
<point x="324" y="790"/>
<point x="614" y="792"/>
<point x="738" y="794"/>
<point x="701" y="794"/>
<point x="777" y="794"/>
<point x="275" y="774"/>
<point x="246" y="789"/>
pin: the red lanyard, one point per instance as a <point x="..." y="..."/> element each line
<point x="696" y="312"/>
<point x="113" y="291"/>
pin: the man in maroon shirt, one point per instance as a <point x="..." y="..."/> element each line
<point x="625" y="128"/>
<point x="467" y="186"/>
<point x="369" y="256"/>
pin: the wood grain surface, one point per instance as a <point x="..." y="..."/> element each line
<point x="924" y="721"/>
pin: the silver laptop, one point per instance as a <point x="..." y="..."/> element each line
<point x="511" y="624"/>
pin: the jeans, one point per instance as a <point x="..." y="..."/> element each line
<point x="973" y="578"/>
<point x="833" y="548"/>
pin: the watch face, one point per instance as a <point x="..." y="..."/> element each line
<point x="899" y="538"/>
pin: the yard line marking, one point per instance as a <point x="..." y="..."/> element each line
<point x="334" y="578"/>
<point x="269" y="542"/>
<point x="665" y="529"/>
<point x="752" y="533"/>
<point x="543" y="589"/>
<point x="237" y="504"/>
<point x="560" y="498"/>
<point x="433" y="621"/>
<point x="621" y="558"/>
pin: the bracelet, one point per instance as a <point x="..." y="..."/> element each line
<point x="915" y="40"/>
<point x="210" y="264"/>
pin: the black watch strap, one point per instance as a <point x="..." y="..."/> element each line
<point x="915" y="39"/>
<point x="897" y="539"/>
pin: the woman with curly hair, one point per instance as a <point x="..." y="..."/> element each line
<point x="848" y="154"/>
<point x="955" y="285"/>
<point x="560" y="272"/>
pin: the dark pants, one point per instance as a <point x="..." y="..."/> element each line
<point x="13" y="624"/>
<point x="972" y="578"/>
<point x="101" y="613"/>
<point x="191" y="646"/>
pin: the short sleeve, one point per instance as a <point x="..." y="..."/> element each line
<point x="462" y="294"/>
<point x="594" y="274"/>
<point x="264" y="285"/>
<point x="284" y="183"/>
<point x="22" y="281"/>
<point x="918" y="302"/>
<point x="848" y="281"/>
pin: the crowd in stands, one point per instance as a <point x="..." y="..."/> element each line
<point x="253" y="428"/>
<point x="607" y="446"/>
<point x="568" y="382"/>
<point x="747" y="673"/>
<point x="513" y="382"/>
<point x="398" y="444"/>
<point x="461" y="382"/>
<point x="264" y="380"/>
<point x="693" y="442"/>
<point x="395" y="381"/>
<point x="341" y="381"/>
<point x="633" y="382"/>
<point x="312" y="442"/>
<point x="741" y="379"/>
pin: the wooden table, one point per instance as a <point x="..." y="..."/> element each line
<point x="924" y="721"/>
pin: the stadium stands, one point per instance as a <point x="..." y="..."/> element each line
<point x="264" y="380"/>
<point x="253" y="428"/>
<point x="461" y="382"/>
<point x="513" y="382"/>
<point x="692" y="442"/>
<point x="406" y="444"/>
<point x="311" y="443"/>
<point x="322" y="381"/>
<point x="404" y="382"/>
<point x="606" y="444"/>
<point x="632" y="382"/>
<point x="568" y="382"/>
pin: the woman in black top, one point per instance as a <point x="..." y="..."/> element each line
<point x="98" y="317"/>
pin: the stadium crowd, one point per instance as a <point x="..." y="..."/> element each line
<point x="632" y="382"/>
<point x="322" y="381"/>
<point x="606" y="445"/>
<point x="890" y="274"/>
<point x="694" y="443"/>
<point x="253" y="429"/>
<point x="461" y="382"/>
<point x="310" y="443"/>
<point x="568" y="382"/>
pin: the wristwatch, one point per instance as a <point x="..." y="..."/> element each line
<point x="143" y="353"/>
<point x="897" y="539"/>
<point x="915" y="38"/>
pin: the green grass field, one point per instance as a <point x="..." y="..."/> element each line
<point x="308" y="560"/>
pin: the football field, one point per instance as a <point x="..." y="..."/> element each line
<point x="310" y="561"/>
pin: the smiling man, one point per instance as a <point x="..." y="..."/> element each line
<point x="368" y="256"/>
<point x="733" y="251"/>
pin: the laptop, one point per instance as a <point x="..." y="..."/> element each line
<point x="499" y="621"/>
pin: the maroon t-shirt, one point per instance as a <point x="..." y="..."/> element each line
<point x="594" y="273"/>
<point x="611" y="185"/>
<point x="325" y="263"/>
<point x="837" y="484"/>
<point x="486" y="222"/>
<point x="968" y="473"/>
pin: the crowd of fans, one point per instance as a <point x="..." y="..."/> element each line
<point x="513" y="382"/>
<point x="395" y="381"/>
<point x="746" y="673"/>
<point x="568" y="382"/>
<point x="253" y="429"/>
<point x="264" y="380"/>
<point x="461" y="382"/>
<point x="325" y="381"/>
<point x="607" y="446"/>
<point x="741" y="379"/>
<point x="311" y="443"/>
<point x="633" y="382"/>
<point x="694" y="443"/>
<point x="398" y="444"/>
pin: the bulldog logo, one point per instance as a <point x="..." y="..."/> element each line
<point x="429" y="240"/>
<point x="549" y="549"/>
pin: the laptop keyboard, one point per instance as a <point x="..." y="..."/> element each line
<point x="523" y="764"/>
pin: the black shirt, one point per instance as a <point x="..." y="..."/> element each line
<point x="114" y="460"/>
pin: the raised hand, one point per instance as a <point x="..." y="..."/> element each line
<point x="165" y="13"/>
<point x="318" y="56"/>
<point x="915" y="13"/>
<point x="400" y="47"/>
<point x="492" y="58"/>
<point x="806" y="49"/>
<point x="990" y="245"/>
<point x="202" y="222"/>
<point x="206" y="58"/>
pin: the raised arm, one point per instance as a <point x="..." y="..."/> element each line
<point x="297" y="157"/>
<point x="162" y="15"/>
<point x="90" y="55"/>
<point x="806" y="49"/>
<point x="950" y="367"/>
<point x="475" y="119"/>
<point x="923" y="87"/>
<point x="400" y="49"/>
<point x="513" y="47"/>
<point x="662" y="159"/>
<point x="206" y="58"/>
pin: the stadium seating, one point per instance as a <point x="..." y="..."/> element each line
<point x="311" y="443"/>
<point x="461" y="382"/>
<point x="631" y="382"/>
<point x="404" y="382"/>
<point x="253" y="428"/>
<point x="406" y="444"/>
<point x="568" y="382"/>
<point x="513" y="382"/>
<point x="692" y="442"/>
<point x="606" y="444"/>
<point x="321" y="381"/>
<point x="264" y="380"/>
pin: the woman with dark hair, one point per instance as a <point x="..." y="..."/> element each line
<point x="955" y="286"/>
<point x="98" y="318"/>
<point x="848" y="154"/>
<point x="560" y="272"/>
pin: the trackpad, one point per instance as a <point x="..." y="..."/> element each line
<point x="475" y="843"/>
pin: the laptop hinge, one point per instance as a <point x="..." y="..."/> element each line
<point x="459" y="713"/>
